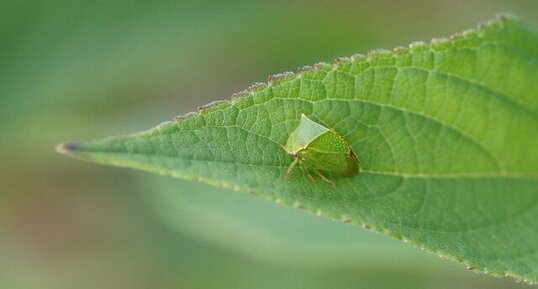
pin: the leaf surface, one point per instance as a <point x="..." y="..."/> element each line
<point x="446" y="134"/>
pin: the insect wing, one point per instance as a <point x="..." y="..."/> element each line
<point x="331" y="153"/>
<point x="304" y="134"/>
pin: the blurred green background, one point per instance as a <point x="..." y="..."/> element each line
<point x="76" y="70"/>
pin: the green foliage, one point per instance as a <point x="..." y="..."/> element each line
<point x="446" y="134"/>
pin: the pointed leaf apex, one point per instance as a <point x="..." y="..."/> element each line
<point x="67" y="148"/>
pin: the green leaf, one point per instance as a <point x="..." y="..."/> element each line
<point x="446" y="134"/>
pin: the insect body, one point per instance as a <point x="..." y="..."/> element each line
<point x="319" y="149"/>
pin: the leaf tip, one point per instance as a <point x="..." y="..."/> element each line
<point x="67" y="148"/>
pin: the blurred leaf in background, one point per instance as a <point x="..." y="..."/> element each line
<point x="85" y="69"/>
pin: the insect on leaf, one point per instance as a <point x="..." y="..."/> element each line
<point x="321" y="150"/>
<point x="446" y="135"/>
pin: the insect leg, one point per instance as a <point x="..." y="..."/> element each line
<point x="306" y="174"/>
<point x="324" y="178"/>
<point x="290" y="168"/>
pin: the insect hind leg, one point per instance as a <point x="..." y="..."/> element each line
<point x="324" y="178"/>
<point x="290" y="168"/>
<point x="296" y="162"/>
<point x="306" y="174"/>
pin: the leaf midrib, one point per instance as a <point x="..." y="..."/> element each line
<point x="448" y="175"/>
